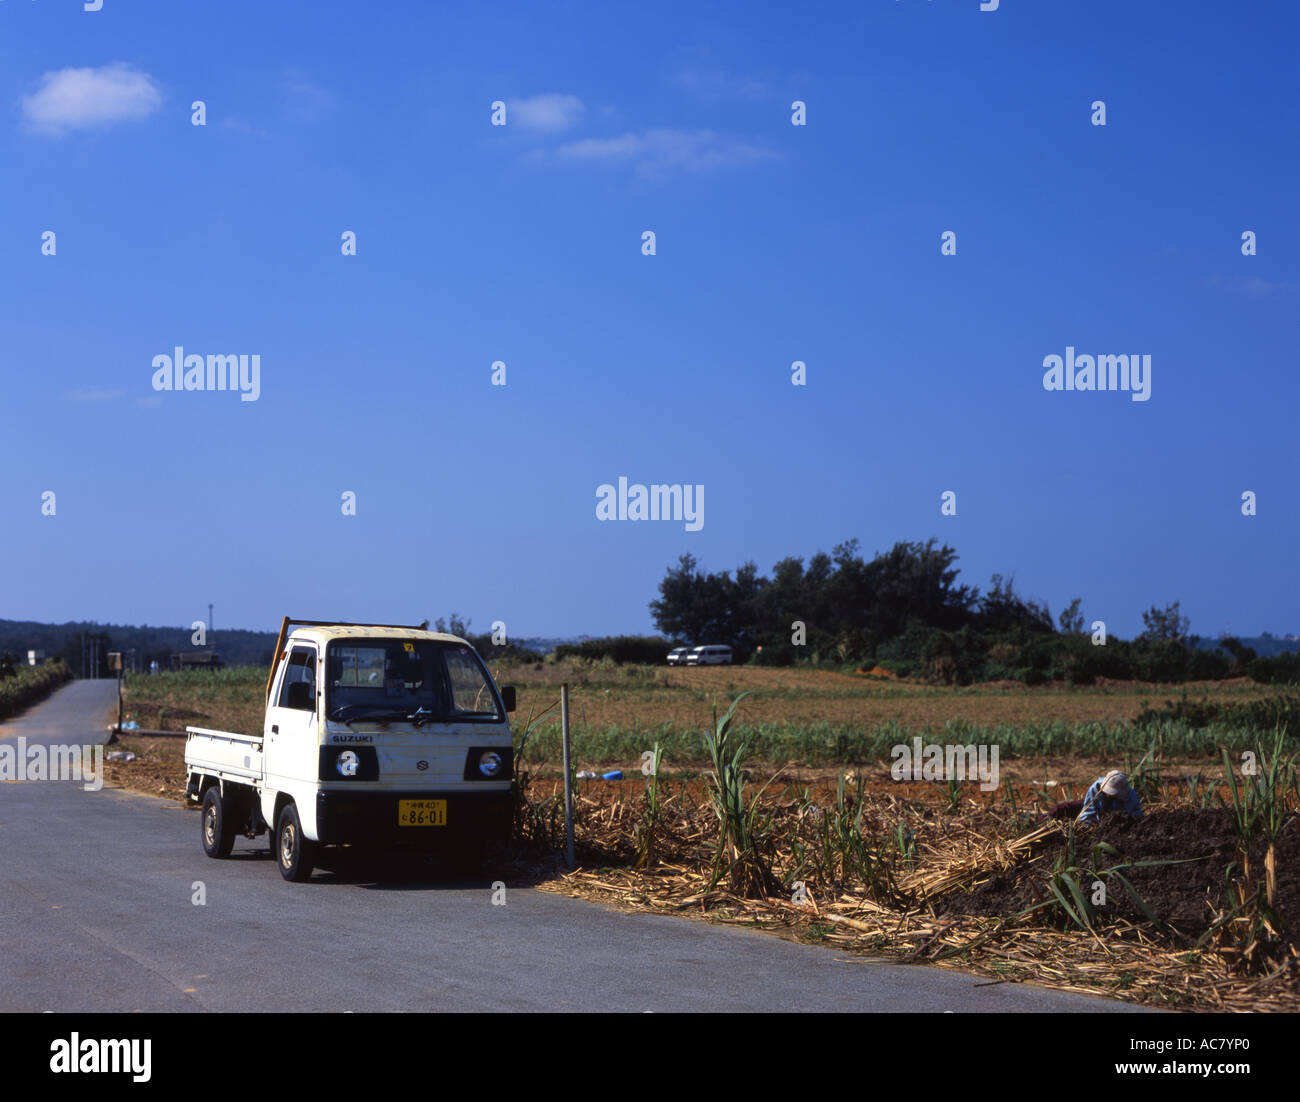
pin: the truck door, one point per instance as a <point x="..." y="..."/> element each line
<point x="290" y="743"/>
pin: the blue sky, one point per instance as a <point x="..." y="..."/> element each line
<point x="523" y="243"/>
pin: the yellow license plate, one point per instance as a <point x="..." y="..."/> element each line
<point x="421" y="813"/>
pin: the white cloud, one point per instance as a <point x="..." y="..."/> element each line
<point x="717" y="84"/>
<point x="1263" y="288"/>
<point x="242" y="127"/>
<point x="655" y="151"/>
<point x="1253" y="286"/>
<point x="92" y="394"/>
<point x="82" y="98"/>
<point x="604" y="149"/>
<point x="304" y="99"/>
<point x="549" y="112"/>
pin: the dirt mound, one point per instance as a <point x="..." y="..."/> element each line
<point x="881" y="672"/>
<point x="1185" y="894"/>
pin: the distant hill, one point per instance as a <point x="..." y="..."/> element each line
<point x="236" y="647"/>
<point x="1267" y="645"/>
<point x="544" y="645"/>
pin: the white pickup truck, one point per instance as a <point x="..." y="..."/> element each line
<point x="375" y="736"/>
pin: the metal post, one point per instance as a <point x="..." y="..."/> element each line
<point x="568" y="776"/>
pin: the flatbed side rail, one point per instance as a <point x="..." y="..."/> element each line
<point x="233" y="736"/>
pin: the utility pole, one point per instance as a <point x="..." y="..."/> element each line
<point x="209" y="621"/>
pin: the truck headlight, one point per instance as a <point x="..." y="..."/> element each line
<point x="347" y="763"/>
<point x="489" y="763"/>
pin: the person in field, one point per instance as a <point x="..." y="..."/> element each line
<point x="1109" y="793"/>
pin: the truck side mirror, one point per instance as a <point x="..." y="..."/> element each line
<point x="508" y="697"/>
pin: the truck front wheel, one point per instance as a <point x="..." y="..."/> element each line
<point x="295" y="854"/>
<point x="217" y="823"/>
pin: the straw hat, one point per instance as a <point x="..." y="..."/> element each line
<point x="1115" y="783"/>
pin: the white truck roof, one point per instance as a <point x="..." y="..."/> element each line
<point x="324" y="634"/>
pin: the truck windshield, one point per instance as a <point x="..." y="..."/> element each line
<point x="415" y="679"/>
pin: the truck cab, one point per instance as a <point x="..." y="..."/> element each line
<point x="374" y="736"/>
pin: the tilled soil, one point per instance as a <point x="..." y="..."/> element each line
<point x="1186" y="894"/>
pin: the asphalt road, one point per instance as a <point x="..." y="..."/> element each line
<point x="97" y="914"/>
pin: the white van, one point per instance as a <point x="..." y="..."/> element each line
<point x="709" y="656"/>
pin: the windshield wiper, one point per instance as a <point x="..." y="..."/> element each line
<point x="372" y="712"/>
<point x="420" y="716"/>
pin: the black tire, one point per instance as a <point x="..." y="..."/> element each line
<point x="295" y="854"/>
<point x="217" y="823"/>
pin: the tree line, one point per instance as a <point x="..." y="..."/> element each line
<point x="906" y="611"/>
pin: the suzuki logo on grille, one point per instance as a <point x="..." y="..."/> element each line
<point x="421" y="765"/>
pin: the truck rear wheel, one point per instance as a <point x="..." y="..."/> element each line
<point x="295" y="854"/>
<point x="217" y="823"/>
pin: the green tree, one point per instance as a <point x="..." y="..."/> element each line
<point x="454" y="626"/>
<point x="1165" y="626"/>
<point x="695" y="606"/>
<point x="1071" y="620"/>
<point x="1002" y="609"/>
<point x="916" y="581"/>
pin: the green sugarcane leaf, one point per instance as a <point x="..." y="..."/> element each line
<point x="1065" y="905"/>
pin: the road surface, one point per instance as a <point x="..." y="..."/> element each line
<point x="97" y="913"/>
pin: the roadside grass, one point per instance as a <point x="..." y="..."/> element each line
<point x="29" y="685"/>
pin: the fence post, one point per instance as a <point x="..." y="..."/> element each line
<point x="568" y="776"/>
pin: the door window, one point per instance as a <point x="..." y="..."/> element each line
<point x="301" y="670"/>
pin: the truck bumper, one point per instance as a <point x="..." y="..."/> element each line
<point x="371" y="817"/>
